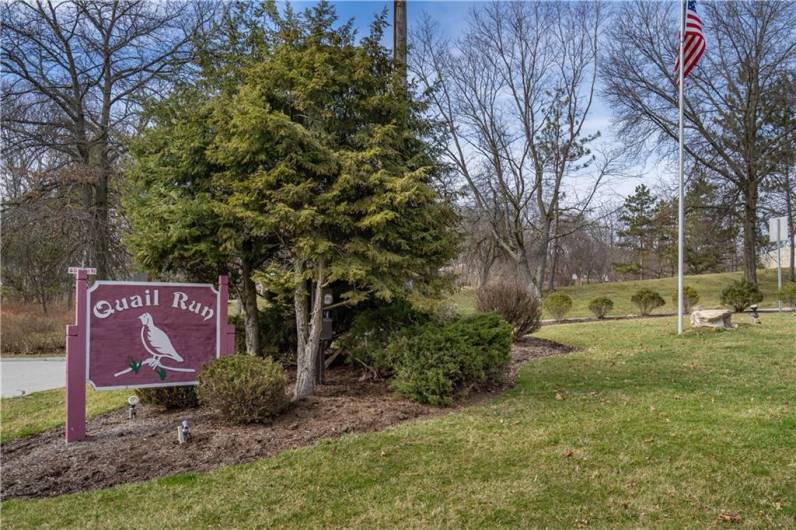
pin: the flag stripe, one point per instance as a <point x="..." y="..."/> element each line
<point x="693" y="42"/>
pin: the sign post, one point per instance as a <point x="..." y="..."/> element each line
<point x="139" y="335"/>
<point x="76" y="360"/>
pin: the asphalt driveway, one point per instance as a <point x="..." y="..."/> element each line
<point x="26" y="374"/>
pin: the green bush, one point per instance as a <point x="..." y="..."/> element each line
<point x="169" y="397"/>
<point x="741" y="294"/>
<point x="434" y="362"/>
<point x="243" y="388"/>
<point x="600" y="306"/>
<point x="690" y="298"/>
<point x="646" y="300"/>
<point x="515" y="303"/>
<point x="557" y="304"/>
<point x="787" y="295"/>
<point x="373" y="328"/>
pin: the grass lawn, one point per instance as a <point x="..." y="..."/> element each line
<point x="39" y="411"/>
<point x="638" y="429"/>
<point x="709" y="287"/>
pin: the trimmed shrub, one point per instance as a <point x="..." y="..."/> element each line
<point x="600" y="306"/>
<point x="647" y="300"/>
<point x="557" y="304"/>
<point x="690" y="298"/>
<point x="741" y="294"/>
<point x="371" y="331"/>
<point x="169" y="397"/>
<point x="515" y="303"/>
<point x="243" y="388"/>
<point x="787" y="295"/>
<point x="434" y="362"/>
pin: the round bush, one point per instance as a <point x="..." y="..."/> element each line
<point x="741" y="294"/>
<point x="690" y="298"/>
<point x="515" y="303"/>
<point x="243" y="388"/>
<point x="646" y="300"/>
<point x="787" y="295"/>
<point x="601" y="306"/>
<point x="373" y="328"/>
<point x="434" y="362"/>
<point x="169" y="397"/>
<point x="557" y="304"/>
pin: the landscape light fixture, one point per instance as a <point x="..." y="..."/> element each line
<point x="132" y="403"/>
<point x="755" y="314"/>
<point x="183" y="432"/>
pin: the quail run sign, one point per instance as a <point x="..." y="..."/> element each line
<point x="150" y="334"/>
<point x="141" y="334"/>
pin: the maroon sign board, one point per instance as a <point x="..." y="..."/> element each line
<point x="141" y="334"/>
<point x="146" y="334"/>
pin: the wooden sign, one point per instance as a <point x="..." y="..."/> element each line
<point x="141" y="334"/>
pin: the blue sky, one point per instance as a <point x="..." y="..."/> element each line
<point x="451" y="17"/>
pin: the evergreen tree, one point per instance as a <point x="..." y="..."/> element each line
<point x="638" y="218"/>
<point x="663" y="236"/>
<point x="709" y="234"/>
<point x="317" y="160"/>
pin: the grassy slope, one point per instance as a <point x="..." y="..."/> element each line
<point x="708" y="286"/>
<point x="40" y="411"/>
<point x="663" y="432"/>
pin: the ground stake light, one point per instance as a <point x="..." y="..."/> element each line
<point x="132" y="403"/>
<point x="183" y="432"/>
<point x="755" y="314"/>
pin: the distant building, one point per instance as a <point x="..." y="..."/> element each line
<point x="769" y="260"/>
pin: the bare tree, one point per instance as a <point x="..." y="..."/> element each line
<point x="727" y="105"/>
<point x="75" y="72"/>
<point x="513" y="94"/>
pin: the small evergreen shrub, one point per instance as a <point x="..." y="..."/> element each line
<point x="647" y="300"/>
<point x="557" y="304"/>
<point x="373" y="328"/>
<point x="244" y="388"/>
<point x="169" y="397"/>
<point x="434" y="362"/>
<point x="787" y="295"/>
<point x="690" y="298"/>
<point x="741" y="294"/>
<point x="515" y="303"/>
<point x="601" y="306"/>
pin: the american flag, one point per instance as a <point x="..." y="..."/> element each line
<point x="694" y="45"/>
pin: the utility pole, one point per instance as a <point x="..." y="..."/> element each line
<point x="399" y="35"/>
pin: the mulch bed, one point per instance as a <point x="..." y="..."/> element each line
<point x="117" y="450"/>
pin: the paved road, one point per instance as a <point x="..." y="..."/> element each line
<point x="31" y="374"/>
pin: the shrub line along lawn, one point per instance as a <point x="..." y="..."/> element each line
<point x="639" y="428"/>
<point x="708" y="286"/>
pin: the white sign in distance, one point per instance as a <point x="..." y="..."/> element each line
<point x="773" y="233"/>
<point x="91" y="271"/>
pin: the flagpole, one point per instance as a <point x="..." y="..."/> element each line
<point x="680" y="203"/>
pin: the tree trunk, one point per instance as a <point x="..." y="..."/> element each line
<point x="248" y="297"/>
<point x="485" y="269"/>
<point x="526" y="275"/>
<point x="554" y="263"/>
<point x="101" y="231"/>
<point x="308" y="328"/>
<point x="43" y="302"/>
<point x="750" y="231"/>
<point x="399" y="35"/>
